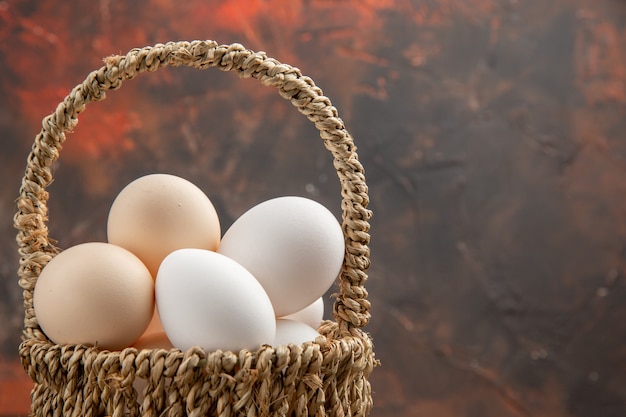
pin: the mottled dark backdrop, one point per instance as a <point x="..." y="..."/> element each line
<point x="493" y="137"/>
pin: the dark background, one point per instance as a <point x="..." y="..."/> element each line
<point x="493" y="137"/>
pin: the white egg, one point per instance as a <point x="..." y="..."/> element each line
<point x="312" y="315"/>
<point x="294" y="246"/>
<point x="206" y="299"/>
<point x="293" y="332"/>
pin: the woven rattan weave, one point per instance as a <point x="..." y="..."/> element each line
<point x="328" y="377"/>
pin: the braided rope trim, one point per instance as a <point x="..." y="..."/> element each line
<point x="351" y="307"/>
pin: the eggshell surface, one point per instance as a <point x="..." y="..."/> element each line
<point x="206" y="299"/>
<point x="96" y="294"/>
<point x="159" y="213"/>
<point x="293" y="245"/>
<point x="293" y="332"/>
<point x="312" y="315"/>
<point x="155" y="328"/>
<point x="153" y="341"/>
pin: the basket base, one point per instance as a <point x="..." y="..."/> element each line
<point x="326" y="378"/>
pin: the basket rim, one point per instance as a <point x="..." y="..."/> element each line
<point x="351" y="309"/>
<point x="328" y="344"/>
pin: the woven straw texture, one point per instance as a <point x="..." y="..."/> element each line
<point x="328" y="377"/>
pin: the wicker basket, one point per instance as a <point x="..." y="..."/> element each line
<point x="325" y="377"/>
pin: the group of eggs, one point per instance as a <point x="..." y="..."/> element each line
<point x="166" y="277"/>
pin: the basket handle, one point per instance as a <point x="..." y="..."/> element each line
<point x="351" y="307"/>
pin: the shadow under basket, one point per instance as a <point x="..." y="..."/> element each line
<point x="327" y="377"/>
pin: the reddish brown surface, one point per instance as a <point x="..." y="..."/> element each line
<point x="15" y="388"/>
<point x="492" y="133"/>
